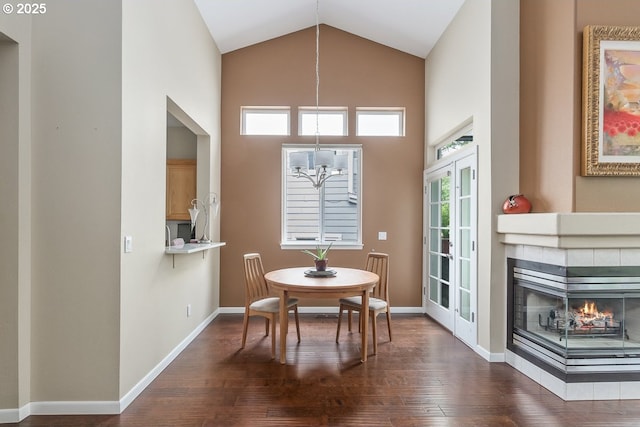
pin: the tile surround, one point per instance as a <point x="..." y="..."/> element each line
<point x="573" y="240"/>
<point x="575" y="257"/>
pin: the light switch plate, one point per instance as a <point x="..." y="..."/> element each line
<point x="128" y="244"/>
<point x="382" y="235"/>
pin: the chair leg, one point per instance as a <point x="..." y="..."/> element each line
<point x="266" y="326"/>
<point x="339" y="321"/>
<point x="245" y="325"/>
<point x="389" y="323"/>
<point x="273" y="336"/>
<point x="295" y="314"/>
<point x="374" y="332"/>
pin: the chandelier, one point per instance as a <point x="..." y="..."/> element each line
<point x="324" y="163"/>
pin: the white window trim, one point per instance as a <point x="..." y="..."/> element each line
<point x="343" y="111"/>
<point x="399" y="112"/>
<point x="465" y="129"/>
<point x="311" y="244"/>
<point x="264" y="110"/>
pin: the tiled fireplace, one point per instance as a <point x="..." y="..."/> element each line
<point x="573" y="302"/>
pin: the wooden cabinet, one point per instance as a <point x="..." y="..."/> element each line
<point x="181" y="188"/>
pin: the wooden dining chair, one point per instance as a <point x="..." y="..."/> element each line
<point x="259" y="301"/>
<point x="378" y="300"/>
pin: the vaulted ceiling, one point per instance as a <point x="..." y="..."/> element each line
<point x="412" y="26"/>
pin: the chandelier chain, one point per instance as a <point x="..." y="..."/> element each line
<point x="317" y="75"/>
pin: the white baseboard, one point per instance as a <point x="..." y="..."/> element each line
<point x="488" y="356"/>
<point x="326" y="310"/>
<point x="144" y="382"/>
<point x="11" y="415"/>
<point x="75" y="408"/>
<point x="102" y="407"/>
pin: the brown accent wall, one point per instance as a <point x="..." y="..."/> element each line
<point x="353" y="72"/>
<point x="551" y="107"/>
<point x="608" y="194"/>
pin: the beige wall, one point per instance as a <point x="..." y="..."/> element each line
<point x="84" y="140"/>
<point x="76" y="201"/>
<point x="9" y="160"/>
<point x="551" y="106"/>
<point x="353" y="72"/>
<point x="181" y="143"/>
<point x="472" y="73"/>
<point x="171" y="64"/>
<point x="549" y="159"/>
<point x="15" y="210"/>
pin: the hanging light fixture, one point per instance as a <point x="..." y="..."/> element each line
<point x="325" y="162"/>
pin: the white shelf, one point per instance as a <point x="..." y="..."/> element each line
<point x="190" y="248"/>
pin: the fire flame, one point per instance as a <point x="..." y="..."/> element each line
<point x="590" y="310"/>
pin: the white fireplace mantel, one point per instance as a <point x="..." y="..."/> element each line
<point x="571" y="230"/>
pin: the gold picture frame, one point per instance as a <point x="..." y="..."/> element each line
<point x="611" y="101"/>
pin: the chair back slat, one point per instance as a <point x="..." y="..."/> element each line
<point x="255" y="285"/>
<point x="378" y="263"/>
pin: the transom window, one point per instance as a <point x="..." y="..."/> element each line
<point x="332" y="213"/>
<point x="331" y="121"/>
<point x="454" y="144"/>
<point x="380" y="121"/>
<point x="265" y="121"/>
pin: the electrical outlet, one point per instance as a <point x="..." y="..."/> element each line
<point x="188" y="310"/>
<point x="128" y="244"/>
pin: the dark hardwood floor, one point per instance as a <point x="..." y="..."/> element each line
<point x="425" y="377"/>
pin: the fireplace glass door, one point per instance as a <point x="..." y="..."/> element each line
<point x="579" y="324"/>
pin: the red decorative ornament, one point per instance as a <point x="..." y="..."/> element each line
<point x="515" y="204"/>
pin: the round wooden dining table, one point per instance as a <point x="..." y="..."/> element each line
<point x="346" y="282"/>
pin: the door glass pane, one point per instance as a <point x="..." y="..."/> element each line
<point x="434" y="265"/>
<point x="445" y="268"/>
<point x="434" y="240"/>
<point x="434" y="221"/>
<point x="465" y="274"/>
<point x="465" y="305"/>
<point x="465" y="184"/>
<point x="435" y="191"/>
<point x="444" y="217"/>
<point x="465" y="212"/>
<point x="465" y="243"/>
<point x="444" y="289"/>
<point x="433" y="289"/>
<point x="445" y="185"/>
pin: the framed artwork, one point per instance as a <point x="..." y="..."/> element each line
<point x="611" y="101"/>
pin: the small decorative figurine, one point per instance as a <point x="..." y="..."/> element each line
<point x="515" y="204"/>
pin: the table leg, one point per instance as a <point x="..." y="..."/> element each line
<point x="284" y="326"/>
<point x="364" y="327"/>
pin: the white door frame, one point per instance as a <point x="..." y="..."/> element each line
<point x="460" y="320"/>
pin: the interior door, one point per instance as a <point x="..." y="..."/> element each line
<point x="464" y="253"/>
<point x="450" y="278"/>
<point x="438" y="190"/>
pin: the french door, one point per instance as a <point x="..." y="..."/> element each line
<point x="450" y="262"/>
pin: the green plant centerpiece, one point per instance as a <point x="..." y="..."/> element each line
<point x="319" y="256"/>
